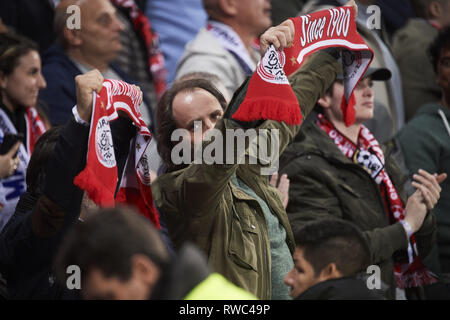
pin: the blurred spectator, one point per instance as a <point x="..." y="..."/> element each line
<point x="284" y="9"/>
<point x="328" y="256"/>
<point x="339" y="171"/>
<point x="139" y="267"/>
<point x="30" y="277"/>
<point x="227" y="46"/>
<point x="141" y="56"/>
<point x="410" y="46"/>
<point x="20" y="82"/>
<point x="94" y="46"/>
<point x="395" y="14"/>
<point x="31" y="18"/>
<point x="52" y="203"/>
<point x="177" y="22"/>
<point x="3" y="28"/>
<point x="425" y="143"/>
<point x="389" y="111"/>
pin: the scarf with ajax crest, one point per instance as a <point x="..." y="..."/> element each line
<point x="269" y="94"/>
<point x="99" y="178"/>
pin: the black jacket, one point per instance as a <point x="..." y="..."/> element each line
<point x="340" y="289"/>
<point x="30" y="240"/>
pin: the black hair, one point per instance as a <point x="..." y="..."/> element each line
<point x="442" y="41"/>
<point x="107" y="241"/>
<point x="333" y="241"/>
<point x="164" y="114"/>
<point x="37" y="166"/>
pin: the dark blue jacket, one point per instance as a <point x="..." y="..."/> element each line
<point x="60" y="95"/>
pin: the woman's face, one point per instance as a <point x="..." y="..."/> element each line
<point x="21" y="87"/>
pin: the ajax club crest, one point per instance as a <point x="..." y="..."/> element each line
<point x="104" y="144"/>
<point x="270" y="68"/>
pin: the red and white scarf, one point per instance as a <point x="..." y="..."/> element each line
<point x="369" y="155"/>
<point x="269" y="95"/>
<point x="35" y="128"/>
<point x="13" y="186"/>
<point x="99" y="178"/>
<point x="143" y="27"/>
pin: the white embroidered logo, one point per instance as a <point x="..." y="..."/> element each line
<point x="143" y="171"/>
<point x="270" y="69"/>
<point x="104" y="144"/>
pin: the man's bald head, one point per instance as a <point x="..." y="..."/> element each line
<point x="250" y="17"/>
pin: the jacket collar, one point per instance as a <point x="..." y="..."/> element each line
<point x="312" y="140"/>
<point x="347" y="288"/>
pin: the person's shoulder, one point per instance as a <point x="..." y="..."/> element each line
<point x="56" y="64"/>
<point x="415" y="35"/>
<point x="426" y="116"/>
<point x="166" y="182"/>
<point x="204" y="43"/>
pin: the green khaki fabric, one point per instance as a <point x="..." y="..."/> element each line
<point x="201" y="205"/>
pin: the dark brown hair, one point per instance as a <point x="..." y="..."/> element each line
<point x="107" y="241"/>
<point x="442" y="41"/>
<point x="12" y="48"/>
<point x="333" y="241"/>
<point x="165" y="121"/>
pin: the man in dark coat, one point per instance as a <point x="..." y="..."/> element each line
<point x="93" y="46"/>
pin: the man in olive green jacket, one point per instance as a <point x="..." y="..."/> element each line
<point x="211" y="206"/>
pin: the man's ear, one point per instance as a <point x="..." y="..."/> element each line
<point x="330" y="272"/>
<point x="325" y="101"/>
<point x="72" y="37"/>
<point x="146" y="271"/>
<point x="3" y="80"/>
<point x="435" y="10"/>
<point x="229" y="7"/>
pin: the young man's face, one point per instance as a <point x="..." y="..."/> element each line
<point x="190" y="108"/>
<point x="443" y="71"/>
<point x="302" y="275"/>
<point x="364" y="101"/>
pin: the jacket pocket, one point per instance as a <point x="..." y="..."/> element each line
<point x="242" y="242"/>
